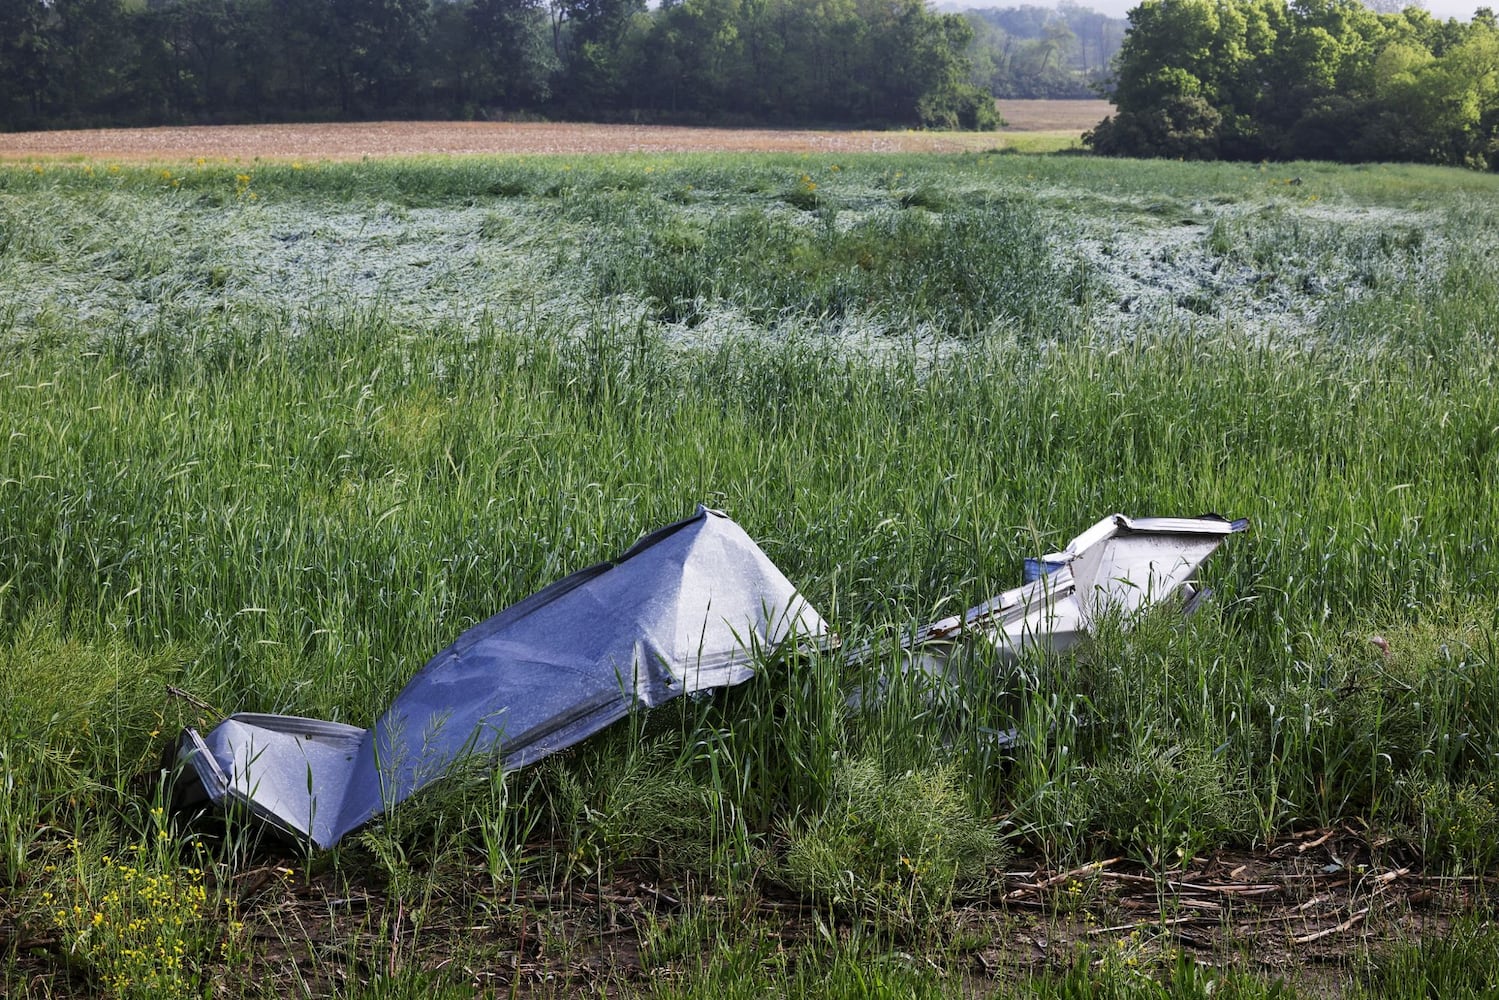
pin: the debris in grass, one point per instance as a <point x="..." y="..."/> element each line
<point x="692" y="606"/>
<point x="1116" y="568"/>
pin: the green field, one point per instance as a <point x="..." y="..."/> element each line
<point x="275" y="434"/>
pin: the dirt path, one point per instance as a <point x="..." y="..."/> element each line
<point x="352" y="141"/>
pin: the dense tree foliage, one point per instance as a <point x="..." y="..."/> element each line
<point x="1316" y="79"/>
<point x="76" y="62"/>
<point x="1031" y="51"/>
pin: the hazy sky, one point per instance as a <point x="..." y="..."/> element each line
<point x="1118" y="8"/>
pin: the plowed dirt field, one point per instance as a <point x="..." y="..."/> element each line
<point x="351" y="141"/>
<point x="1052" y="116"/>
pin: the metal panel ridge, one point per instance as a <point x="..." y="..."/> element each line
<point x="692" y="605"/>
<point x="1118" y="565"/>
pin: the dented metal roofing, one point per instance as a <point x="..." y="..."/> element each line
<point x="1114" y="569"/>
<point x="692" y="606"/>
<point x="688" y="607"/>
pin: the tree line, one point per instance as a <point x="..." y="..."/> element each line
<point x="1313" y="79"/>
<point x="110" y="62"/>
<point x="1031" y="51"/>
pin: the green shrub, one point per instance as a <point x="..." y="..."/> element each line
<point x="1457" y="824"/>
<point x="963" y="272"/>
<point x="1165" y="802"/>
<point x="894" y="848"/>
<point x="1178" y="127"/>
<point x="1462" y="963"/>
<point x="960" y="106"/>
<point x="628" y="803"/>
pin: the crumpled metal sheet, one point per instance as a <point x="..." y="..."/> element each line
<point x="688" y="607"/>
<point x="1117" y="567"/>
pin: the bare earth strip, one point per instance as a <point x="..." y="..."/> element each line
<point x="1052" y="116"/>
<point x="351" y="141"/>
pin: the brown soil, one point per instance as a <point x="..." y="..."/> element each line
<point x="1053" y="116"/>
<point x="352" y="141"/>
<point x="1303" y="911"/>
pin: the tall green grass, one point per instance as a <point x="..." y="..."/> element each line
<point x="974" y="267"/>
<point x="303" y="519"/>
<point x="286" y="506"/>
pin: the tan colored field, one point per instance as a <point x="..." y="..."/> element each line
<point x="350" y="141"/>
<point x="1052" y="116"/>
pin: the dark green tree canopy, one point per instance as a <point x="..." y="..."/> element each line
<point x="101" y="62"/>
<point x="1322" y="79"/>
